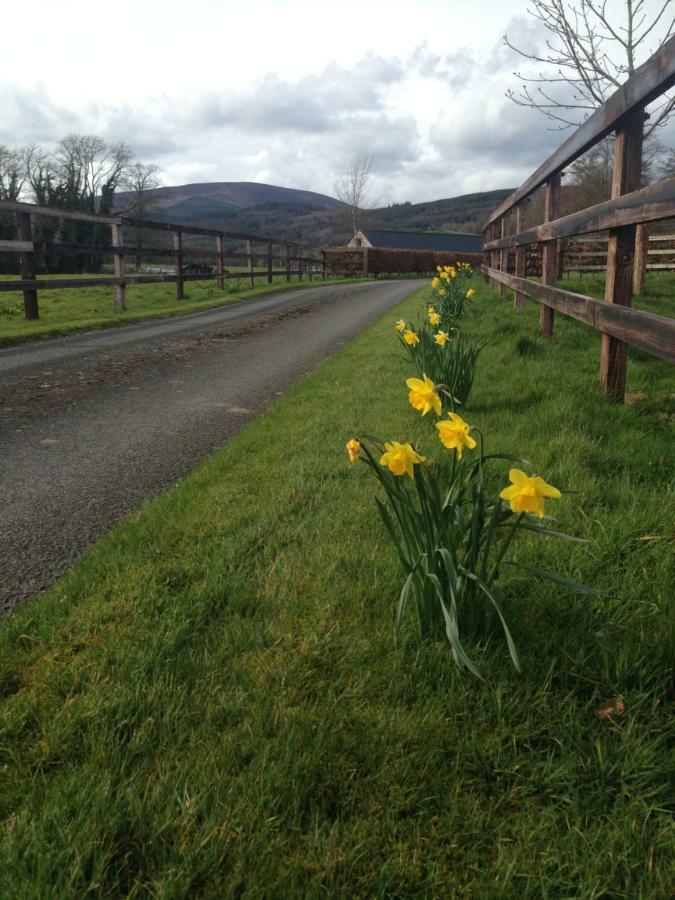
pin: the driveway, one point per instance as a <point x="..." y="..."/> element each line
<point x="94" y="424"/>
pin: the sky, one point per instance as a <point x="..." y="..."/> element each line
<point x="285" y="93"/>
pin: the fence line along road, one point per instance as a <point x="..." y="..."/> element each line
<point x="624" y="217"/>
<point x="295" y="259"/>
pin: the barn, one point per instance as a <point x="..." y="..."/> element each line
<point x="454" y="242"/>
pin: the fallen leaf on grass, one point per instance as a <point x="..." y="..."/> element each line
<point x="240" y="410"/>
<point x="606" y="711"/>
<point x="634" y="399"/>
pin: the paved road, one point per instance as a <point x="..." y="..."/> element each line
<point x="93" y="424"/>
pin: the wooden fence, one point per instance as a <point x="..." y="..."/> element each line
<point x="623" y="218"/>
<point x="295" y="259"/>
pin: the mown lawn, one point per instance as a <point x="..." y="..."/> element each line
<point x="81" y="309"/>
<point x="212" y="703"/>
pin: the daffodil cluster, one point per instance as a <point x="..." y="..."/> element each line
<point x="453" y="535"/>
<point x="437" y="345"/>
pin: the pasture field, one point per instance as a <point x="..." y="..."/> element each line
<point x="82" y="309"/>
<point x="212" y="703"/>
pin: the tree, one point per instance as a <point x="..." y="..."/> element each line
<point x="667" y="167"/>
<point x="12" y="177"/>
<point x="140" y="180"/>
<point x="352" y="188"/>
<point x="589" y="54"/>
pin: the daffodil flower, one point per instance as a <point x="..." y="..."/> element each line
<point x="434" y="318"/>
<point x="400" y="325"/>
<point x="442" y="292"/>
<point x="454" y="434"/>
<point x="526" y="493"/>
<point x="411" y="338"/>
<point x="400" y="459"/>
<point x="470" y="293"/>
<point x="354" y="450"/>
<point x="441" y="338"/>
<point x="423" y="395"/>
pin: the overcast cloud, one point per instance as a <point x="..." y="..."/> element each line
<point x="286" y="93"/>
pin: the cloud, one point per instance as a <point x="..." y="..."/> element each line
<point x="437" y="124"/>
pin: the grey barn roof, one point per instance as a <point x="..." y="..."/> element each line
<point x="414" y="240"/>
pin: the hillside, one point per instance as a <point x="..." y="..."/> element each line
<point x="306" y="216"/>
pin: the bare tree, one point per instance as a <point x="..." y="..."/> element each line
<point x="91" y="170"/>
<point x="12" y="173"/>
<point x="352" y="188"/>
<point x="140" y="181"/>
<point x="589" y="53"/>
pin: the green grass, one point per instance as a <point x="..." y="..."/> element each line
<point x="212" y="703"/>
<point x="82" y="309"/>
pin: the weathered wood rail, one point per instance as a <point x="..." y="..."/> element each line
<point x="279" y="257"/>
<point x="623" y="217"/>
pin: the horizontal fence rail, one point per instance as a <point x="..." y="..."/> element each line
<point x="275" y="256"/>
<point x="512" y="249"/>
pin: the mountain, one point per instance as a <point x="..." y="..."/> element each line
<point x="225" y="197"/>
<point x="305" y="216"/>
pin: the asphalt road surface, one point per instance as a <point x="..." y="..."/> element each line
<point x="93" y="424"/>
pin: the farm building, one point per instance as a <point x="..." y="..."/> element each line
<point x="456" y="242"/>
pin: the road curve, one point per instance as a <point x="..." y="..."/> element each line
<point x="93" y="424"/>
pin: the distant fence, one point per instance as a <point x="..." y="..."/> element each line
<point x="623" y="218"/>
<point x="590" y="255"/>
<point x="382" y="261"/>
<point x="279" y="257"/>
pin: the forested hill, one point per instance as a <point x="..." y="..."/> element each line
<point x="309" y="217"/>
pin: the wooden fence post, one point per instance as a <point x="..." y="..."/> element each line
<point x="521" y="259"/>
<point x="120" y="269"/>
<point x="323" y="265"/>
<point x="299" y="263"/>
<point x="24" y="232"/>
<point x="493" y="255"/>
<point x="269" y="262"/>
<point x="621" y="252"/>
<point x="249" y="263"/>
<point x="220" y="262"/>
<point x="288" y="262"/>
<point x="549" y="260"/>
<point x="178" y="257"/>
<point x="503" y="258"/>
<point x="641" y="257"/>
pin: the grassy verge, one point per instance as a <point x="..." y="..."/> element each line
<point x="82" y="309"/>
<point x="211" y="704"/>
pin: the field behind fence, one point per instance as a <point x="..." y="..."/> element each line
<point x="232" y="255"/>
<point x="510" y="242"/>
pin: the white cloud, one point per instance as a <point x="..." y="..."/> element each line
<point x="287" y="93"/>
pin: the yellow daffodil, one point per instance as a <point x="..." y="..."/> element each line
<point x="439" y="268"/>
<point x="431" y="309"/>
<point x="400" y="458"/>
<point x="411" y="338"/>
<point x="434" y="318"/>
<point x="526" y="494"/>
<point x="354" y="450"/>
<point x="400" y="325"/>
<point x="442" y="338"/>
<point x="435" y="282"/>
<point x="445" y="276"/>
<point x="442" y="292"/>
<point x="423" y="395"/>
<point x="454" y="434"/>
<point x="470" y="293"/>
